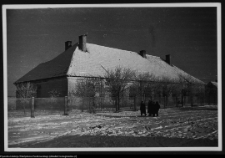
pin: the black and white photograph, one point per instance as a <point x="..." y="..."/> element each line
<point x="112" y="77"/>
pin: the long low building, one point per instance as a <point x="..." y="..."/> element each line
<point x="91" y="60"/>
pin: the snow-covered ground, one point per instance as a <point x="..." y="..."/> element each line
<point x="187" y="122"/>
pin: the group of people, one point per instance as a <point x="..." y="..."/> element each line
<point x="153" y="108"/>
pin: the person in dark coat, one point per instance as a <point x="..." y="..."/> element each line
<point x="149" y="108"/>
<point x="143" y="108"/>
<point x="157" y="107"/>
<point x="153" y="109"/>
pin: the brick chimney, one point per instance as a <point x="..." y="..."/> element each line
<point x="68" y="44"/>
<point x="168" y="59"/>
<point x="143" y="53"/>
<point x="82" y="42"/>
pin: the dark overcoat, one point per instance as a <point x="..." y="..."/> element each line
<point x="142" y="107"/>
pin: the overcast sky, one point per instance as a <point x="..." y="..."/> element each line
<point x="188" y="34"/>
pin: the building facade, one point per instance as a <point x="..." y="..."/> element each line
<point x="85" y="60"/>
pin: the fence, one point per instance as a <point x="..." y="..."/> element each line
<point x="99" y="103"/>
<point x="36" y="106"/>
<point x="64" y="105"/>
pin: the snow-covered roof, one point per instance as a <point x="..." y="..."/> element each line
<point x="214" y="83"/>
<point x="97" y="59"/>
<point x="187" y="76"/>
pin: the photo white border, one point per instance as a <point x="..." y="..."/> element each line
<point x="129" y="149"/>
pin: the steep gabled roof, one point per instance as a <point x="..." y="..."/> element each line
<point x="97" y="59"/>
<point x="53" y="68"/>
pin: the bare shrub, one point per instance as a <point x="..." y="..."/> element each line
<point x="24" y="91"/>
<point x="118" y="81"/>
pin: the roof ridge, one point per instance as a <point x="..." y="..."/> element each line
<point x="123" y="50"/>
<point x="153" y="56"/>
<point x="111" y="47"/>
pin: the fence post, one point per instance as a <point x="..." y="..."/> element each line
<point x="65" y="106"/>
<point x="32" y="107"/>
<point x="101" y="102"/>
<point x="135" y="102"/>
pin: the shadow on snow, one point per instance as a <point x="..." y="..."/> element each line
<point x="118" y="141"/>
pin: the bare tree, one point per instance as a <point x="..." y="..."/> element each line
<point x="87" y="89"/>
<point x="135" y="91"/>
<point x="141" y="87"/>
<point x="199" y="92"/>
<point x="157" y="90"/>
<point x="167" y="86"/>
<point x="189" y="85"/>
<point x="186" y="86"/>
<point x="118" y="80"/>
<point x="176" y="92"/>
<point x="24" y="91"/>
<point x="145" y="84"/>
